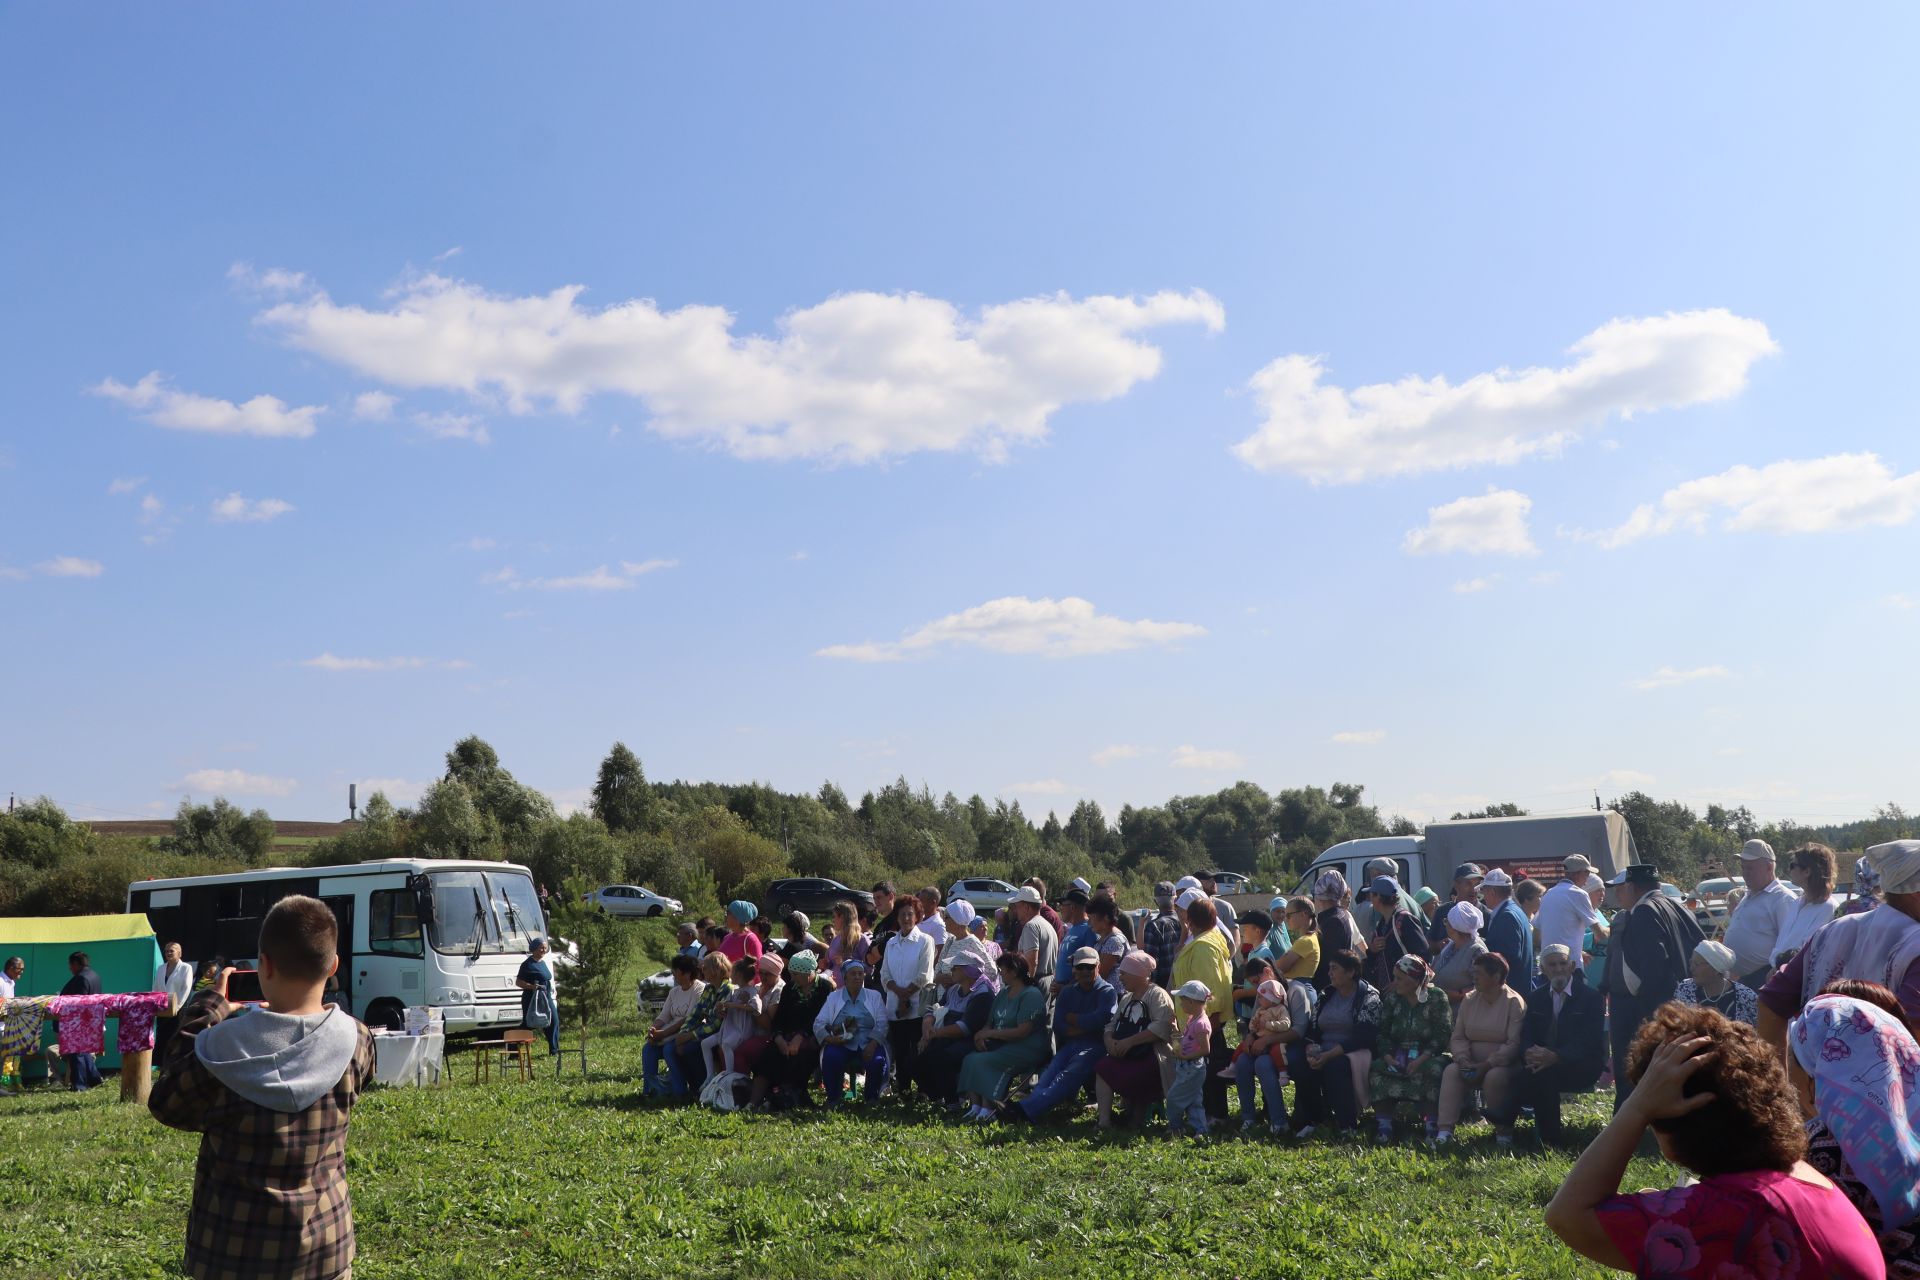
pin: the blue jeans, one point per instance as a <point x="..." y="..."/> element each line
<point x="1065" y="1076"/>
<point x="1186" y="1098"/>
<point x="836" y="1060"/>
<point x="82" y="1071"/>
<point x="651" y="1058"/>
<point x="1259" y="1066"/>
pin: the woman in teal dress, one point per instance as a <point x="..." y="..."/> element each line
<point x="1409" y="1054"/>
<point x="1014" y="1041"/>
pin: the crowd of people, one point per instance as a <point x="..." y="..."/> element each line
<point x="1386" y="1014"/>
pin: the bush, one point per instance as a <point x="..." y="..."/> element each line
<point x="39" y="834"/>
<point x="220" y="830"/>
<point x="591" y="988"/>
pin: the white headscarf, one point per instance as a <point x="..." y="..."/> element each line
<point x="1898" y="863"/>
<point x="1465" y="917"/>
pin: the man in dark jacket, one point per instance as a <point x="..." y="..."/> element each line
<point x="1648" y="955"/>
<point x="1563" y="1045"/>
<point x="83" y="1072"/>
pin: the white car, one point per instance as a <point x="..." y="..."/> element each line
<point x="985" y="895"/>
<point x="632" y="900"/>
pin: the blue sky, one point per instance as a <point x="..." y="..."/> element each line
<point x="939" y="400"/>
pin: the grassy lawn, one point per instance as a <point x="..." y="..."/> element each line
<point x="576" y="1178"/>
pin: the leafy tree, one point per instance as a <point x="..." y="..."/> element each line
<point x="591" y="988"/>
<point x="621" y="797"/>
<point x="736" y="856"/>
<point x="834" y="800"/>
<point x="220" y="830"/>
<point x="1662" y="832"/>
<point x="508" y="810"/>
<point x="1051" y="832"/>
<point x="1505" y="810"/>
<point x="39" y="834"/>
<point x="574" y="848"/>
<point x="451" y="824"/>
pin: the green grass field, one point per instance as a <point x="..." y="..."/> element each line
<point x="579" y="1178"/>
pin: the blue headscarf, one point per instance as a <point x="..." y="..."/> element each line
<point x="742" y="910"/>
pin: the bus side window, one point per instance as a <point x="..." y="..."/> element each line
<point x="393" y="928"/>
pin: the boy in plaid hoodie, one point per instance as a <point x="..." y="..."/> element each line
<point x="269" y="1091"/>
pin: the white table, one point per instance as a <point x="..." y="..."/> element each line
<point x="409" y="1060"/>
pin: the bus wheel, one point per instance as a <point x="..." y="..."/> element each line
<point x="390" y="1015"/>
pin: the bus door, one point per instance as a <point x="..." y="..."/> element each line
<point x="342" y="907"/>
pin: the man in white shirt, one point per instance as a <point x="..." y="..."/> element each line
<point x="11" y="975"/>
<point x="1754" y="930"/>
<point x="930" y="916"/>
<point x="1567" y="910"/>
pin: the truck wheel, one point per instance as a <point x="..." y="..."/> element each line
<point x="389" y="1015"/>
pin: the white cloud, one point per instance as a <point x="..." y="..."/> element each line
<point x="1667" y="677"/>
<point x="401" y="791"/>
<point x="568" y="801"/>
<point x="1493" y="524"/>
<point x="447" y="254"/>
<point x="234" y="509"/>
<point x="166" y="406"/>
<point x="1120" y="751"/>
<point x="598" y="578"/>
<point x="1632" y="779"/>
<point x="1360" y="737"/>
<point x="1191" y="757"/>
<point x="237" y="782"/>
<point x="71" y="567"/>
<point x="1473" y="586"/>
<point x="329" y="662"/>
<point x="1813" y="495"/>
<point x="374" y="406"/>
<point x="1043" y="787"/>
<point x="453" y="426"/>
<point x="1069" y="627"/>
<point x="1332" y="435"/>
<point x="151" y="508"/>
<point x="128" y="485"/>
<point x="1900" y="600"/>
<point x="857" y="378"/>
<point x="479" y="544"/>
<point x="243" y="275"/>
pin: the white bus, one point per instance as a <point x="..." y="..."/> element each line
<point x="413" y="931"/>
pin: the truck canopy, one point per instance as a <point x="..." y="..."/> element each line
<point x="1530" y="847"/>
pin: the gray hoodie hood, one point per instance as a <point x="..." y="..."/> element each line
<point x="279" y="1061"/>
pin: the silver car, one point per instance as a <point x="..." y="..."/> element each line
<point x="632" y="900"/>
<point x="1708" y="902"/>
<point x="984" y="894"/>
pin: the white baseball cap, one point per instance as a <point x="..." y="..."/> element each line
<point x="1756" y="851"/>
<point x="1028" y="894"/>
<point x="1188" y="897"/>
<point x="1194" y="989"/>
<point x="1497" y="879"/>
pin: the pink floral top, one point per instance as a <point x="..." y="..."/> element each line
<point x="1743" y="1226"/>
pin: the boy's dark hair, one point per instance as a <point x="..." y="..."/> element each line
<point x="1104" y="907"/>
<point x="686" y="964"/>
<point x="79" y="958"/>
<point x="301" y="937"/>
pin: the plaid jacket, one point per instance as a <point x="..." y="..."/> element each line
<point x="270" y="1188"/>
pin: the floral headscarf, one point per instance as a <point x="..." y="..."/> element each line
<point x="1866" y="880"/>
<point x="1866" y="1087"/>
<point x="1331" y="884"/>
<point x="1416" y="967"/>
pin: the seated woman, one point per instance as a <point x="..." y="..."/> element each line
<point x="1453" y="967"/>
<point x="1014" y="1041"/>
<point x="1410" y="1050"/>
<point x="1720" y="1106"/>
<point x="673" y="1015"/>
<point x="1855" y="1065"/>
<point x="781" y="1072"/>
<point x="704" y="1021"/>
<point x="1261" y="1056"/>
<point x="1329" y="1067"/>
<point x="1138" y="1041"/>
<point x="1485" y="1048"/>
<point x="851" y="1030"/>
<point x="946" y="1036"/>
<point x="1712" y="986"/>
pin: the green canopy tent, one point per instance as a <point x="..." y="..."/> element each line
<point x="121" y="948"/>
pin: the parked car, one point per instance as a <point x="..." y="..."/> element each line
<point x="632" y="900"/>
<point x="1232" y="882"/>
<point x="652" y="992"/>
<point x="985" y="895"/>
<point x="1708" y="902"/>
<point x="814" y="895"/>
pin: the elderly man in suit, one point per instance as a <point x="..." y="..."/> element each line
<point x="1563" y="1042"/>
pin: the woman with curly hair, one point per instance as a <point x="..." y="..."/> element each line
<point x="1720" y="1106"/>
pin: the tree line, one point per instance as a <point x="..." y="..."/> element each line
<point x="708" y="842"/>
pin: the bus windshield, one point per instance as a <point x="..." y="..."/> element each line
<point x="484" y="913"/>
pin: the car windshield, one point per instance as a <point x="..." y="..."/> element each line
<point x="484" y="912"/>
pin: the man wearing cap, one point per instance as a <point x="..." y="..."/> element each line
<point x="1711" y="984"/>
<point x="1081" y="1010"/>
<point x="1753" y="931"/>
<point x="1073" y="914"/>
<point x="1466" y="888"/>
<point x="1651" y="951"/>
<point x="1396" y="933"/>
<point x="1080" y="883"/>
<point x="1881" y="945"/>
<point x="1363" y="912"/>
<point x="1033" y="937"/>
<point x="1563" y="1043"/>
<point x="1161" y="936"/>
<point x="1567" y="910"/>
<point x="1509" y="930"/>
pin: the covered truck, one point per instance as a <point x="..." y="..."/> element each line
<point x="1530" y="847"/>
